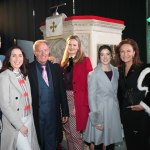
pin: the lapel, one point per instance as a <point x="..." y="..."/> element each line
<point x="53" y="73"/>
<point x="14" y="81"/>
<point x="104" y="80"/>
<point x="28" y="87"/>
<point x="33" y="74"/>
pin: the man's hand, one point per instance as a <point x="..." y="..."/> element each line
<point x="52" y="59"/>
<point x="136" y="107"/>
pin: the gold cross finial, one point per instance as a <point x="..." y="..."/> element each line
<point x="53" y="26"/>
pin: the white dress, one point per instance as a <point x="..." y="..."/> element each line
<point x="104" y="108"/>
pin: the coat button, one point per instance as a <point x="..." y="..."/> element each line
<point x="18" y="109"/>
<point x="16" y="98"/>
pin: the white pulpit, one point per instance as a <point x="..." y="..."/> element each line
<point x="93" y="32"/>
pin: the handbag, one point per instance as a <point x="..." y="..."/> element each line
<point x="133" y="96"/>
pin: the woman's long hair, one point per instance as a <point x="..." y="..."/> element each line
<point x="79" y="55"/>
<point x="6" y="63"/>
<point x="136" y="59"/>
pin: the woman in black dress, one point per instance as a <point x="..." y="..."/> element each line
<point x="135" y="119"/>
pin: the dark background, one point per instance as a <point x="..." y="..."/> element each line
<point x="17" y="19"/>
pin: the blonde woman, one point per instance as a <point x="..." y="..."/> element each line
<point x="76" y="67"/>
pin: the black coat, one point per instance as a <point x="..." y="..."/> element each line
<point x="144" y="82"/>
<point x="136" y="124"/>
<point x="59" y="93"/>
<point x="127" y="86"/>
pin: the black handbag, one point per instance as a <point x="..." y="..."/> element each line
<point x="133" y="96"/>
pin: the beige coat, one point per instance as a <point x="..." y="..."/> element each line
<point x="12" y="106"/>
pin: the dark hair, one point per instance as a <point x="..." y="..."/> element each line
<point x="104" y="47"/>
<point x="133" y="43"/>
<point x="6" y="64"/>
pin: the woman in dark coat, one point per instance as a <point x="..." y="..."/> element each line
<point x="135" y="119"/>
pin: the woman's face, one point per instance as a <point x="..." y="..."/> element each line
<point x="105" y="56"/>
<point x="16" y="59"/>
<point x="73" y="47"/>
<point x="127" y="53"/>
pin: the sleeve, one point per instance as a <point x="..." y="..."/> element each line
<point x="0" y="122"/>
<point x="146" y="107"/>
<point x="144" y="85"/>
<point x="89" y="67"/>
<point x="120" y="90"/>
<point x="95" y="115"/>
<point x="146" y="103"/>
<point x="64" y="101"/>
<point x="92" y="92"/>
<point x="5" y="103"/>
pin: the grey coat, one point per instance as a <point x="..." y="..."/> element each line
<point x="12" y="106"/>
<point x="104" y="108"/>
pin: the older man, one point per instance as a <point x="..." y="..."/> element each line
<point x="50" y="106"/>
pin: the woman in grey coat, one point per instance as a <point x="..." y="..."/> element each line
<point x="15" y="102"/>
<point x="104" y="125"/>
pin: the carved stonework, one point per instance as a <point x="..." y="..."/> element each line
<point x="92" y="30"/>
<point x="85" y="44"/>
<point x="99" y="26"/>
<point x="57" y="47"/>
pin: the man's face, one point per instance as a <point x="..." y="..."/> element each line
<point x="42" y="53"/>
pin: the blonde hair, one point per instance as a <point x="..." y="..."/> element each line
<point x="37" y="43"/>
<point x="79" y="55"/>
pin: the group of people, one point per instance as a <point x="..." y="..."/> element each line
<point x="27" y="117"/>
<point x="42" y="99"/>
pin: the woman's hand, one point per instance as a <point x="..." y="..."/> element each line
<point x="24" y="130"/>
<point x="136" y="107"/>
<point x="73" y="112"/>
<point x="99" y="127"/>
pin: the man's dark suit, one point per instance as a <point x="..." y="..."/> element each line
<point x="60" y="98"/>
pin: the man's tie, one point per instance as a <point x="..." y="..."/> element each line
<point x="44" y="75"/>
